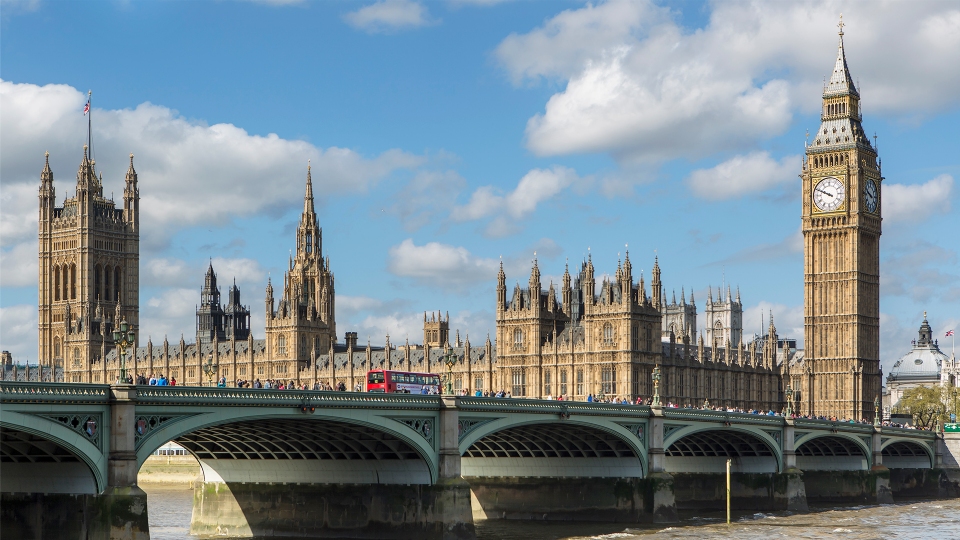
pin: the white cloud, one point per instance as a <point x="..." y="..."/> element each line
<point x="441" y="264"/>
<point x="170" y="313"/>
<point x="787" y="319"/>
<point x="741" y="175"/>
<point x="537" y="186"/>
<point x="389" y="15"/>
<point x="19" y="265"/>
<point x="643" y="89"/>
<point x="917" y="202"/>
<point x="182" y="164"/>
<point x="18" y="332"/>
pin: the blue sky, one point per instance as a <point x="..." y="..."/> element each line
<point x="444" y="136"/>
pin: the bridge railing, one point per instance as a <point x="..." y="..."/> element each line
<point x="193" y="395"/>
<point x="544" y="406"/>
<point x="27" y="392"/>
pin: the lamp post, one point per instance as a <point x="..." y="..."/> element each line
<point x="656" y="386"/>
<point x="123" y="338"/>
<point x="789" y="401"/>
<point x="210" y="369"/>
<point x="450" y="359"/>
<point x="876" y="411"/>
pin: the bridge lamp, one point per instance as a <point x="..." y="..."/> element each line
<point x="789" y="401"/>
<point x="450" y="360"/>
<point x="876" y="411"/>
<point x="210" y="369"/>
<point x="123" y="338"/>
<point x="656" y="386"/>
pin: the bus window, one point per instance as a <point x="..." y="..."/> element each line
<point x="375" y="377"/>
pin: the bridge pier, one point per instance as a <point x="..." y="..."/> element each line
<point x="879" y="474"/>
<point x="663" y="502"/>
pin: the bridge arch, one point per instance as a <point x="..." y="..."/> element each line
<point x="235" y="444"/>
<point x="705" y="448"/>
<point x="903" y="453"/>
<point x="832" y="452"/>
<point x="49" y="457"/>
<point x="531" y="445"/>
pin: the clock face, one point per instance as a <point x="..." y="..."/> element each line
<point x="828" y="195"/>
<point x="870" y="196"/>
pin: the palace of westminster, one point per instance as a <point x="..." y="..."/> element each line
<point x="585" y="338"/>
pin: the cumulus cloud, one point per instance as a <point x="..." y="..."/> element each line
<point x="741" y="175"/>
<point x="642" y="88"/>
<point x="443" y="264"/>
<point x="19" y="265"/>
<point x="18" y="332"/>
<point x="171" y="312"/>
<point x="917" y="202"/>
<point x="182" y="164"/>
<point x="452" y="267"/>
<point x="536" y="186"/>
<point x="389" y="16"/>
<point x="788" y="320"/>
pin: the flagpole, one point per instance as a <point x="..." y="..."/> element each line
<point x="89" y="120"/>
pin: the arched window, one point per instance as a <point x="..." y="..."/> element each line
<point x="106" y="284"/>
<point x="608" y="334"/>
<point x="56" y="282"/>
<point x="76" y="356"/>
<point x="96" y="282"/>
<point x="117" y="284"/>
<point x="282" y="345"/>
<point x="517" y="337"/>
<point x="56" y="347"/>
<point x="309" y="243"/>
<point x="73" y="281"/>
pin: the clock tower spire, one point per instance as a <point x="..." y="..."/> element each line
<point x="841" y="250"/>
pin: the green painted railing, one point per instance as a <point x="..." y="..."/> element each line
<point x="193" y="395"/>
<point x="26" y="392"/>
<point x="543" y="406"/>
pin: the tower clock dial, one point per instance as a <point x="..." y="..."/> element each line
<point x="870" y="196"/>
<point x="828" y="194"/>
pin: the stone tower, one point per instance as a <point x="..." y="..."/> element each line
<point x="724" y="318"/>
<point x="841" y="250"/>
<point x="680" y="318"/>
<point x="89" y="270"/>
<point x="302" y="321"/>
<point x="214" y="323"/>
<point x="436" y="330"/>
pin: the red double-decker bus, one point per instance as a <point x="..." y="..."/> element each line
<point x="403" y="382"/>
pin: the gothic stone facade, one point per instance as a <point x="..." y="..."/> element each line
<point x="89" y="273"/>
<point x="841" y="182"/>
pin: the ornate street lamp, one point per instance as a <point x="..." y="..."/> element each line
<point x="876" y="411"/>
<point x="123" y="338"/>
<point x="450" y="359"/>
<point x="656" y="386"/>
<point x="210" y="369"/>
<point x="789" y="401"/>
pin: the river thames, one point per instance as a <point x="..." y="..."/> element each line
<point x="170" y="509"/>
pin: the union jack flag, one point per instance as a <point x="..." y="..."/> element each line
<point x="86" y="108"/>
<point x="949" y="333"/>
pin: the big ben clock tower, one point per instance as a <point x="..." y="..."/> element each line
<point x="841" y="257"/>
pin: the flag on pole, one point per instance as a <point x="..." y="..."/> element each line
<point x="86" y="108"/>
<point x="949" y="333"/>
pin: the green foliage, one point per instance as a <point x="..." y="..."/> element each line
<point x="928" y="404"/>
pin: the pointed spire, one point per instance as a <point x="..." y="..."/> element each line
<point x="46" y="175"/>
<point x="738" y="294"/>
<point x="308" y="197"/>
<point x="674" y="299"/>
<point x="840" y="80"/>
<point x="683" y="296"/>
<point x="131" y="172"/>
<point x="709" y="294"/>
<point x="692" y="301"/>
<point x="729" y="296"/>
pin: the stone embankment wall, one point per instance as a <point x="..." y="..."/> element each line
<point x="172" y="470"/>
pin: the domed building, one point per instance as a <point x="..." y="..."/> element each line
<point x="924" y="365"/>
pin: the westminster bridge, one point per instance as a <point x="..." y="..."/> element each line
<point x="340" y="464"/>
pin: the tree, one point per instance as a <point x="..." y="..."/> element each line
<point x="925" y="404"/>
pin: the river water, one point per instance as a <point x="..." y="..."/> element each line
<point x="170" y="509"/>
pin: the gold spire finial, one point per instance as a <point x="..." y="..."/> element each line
<point x="840" y="25"/>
